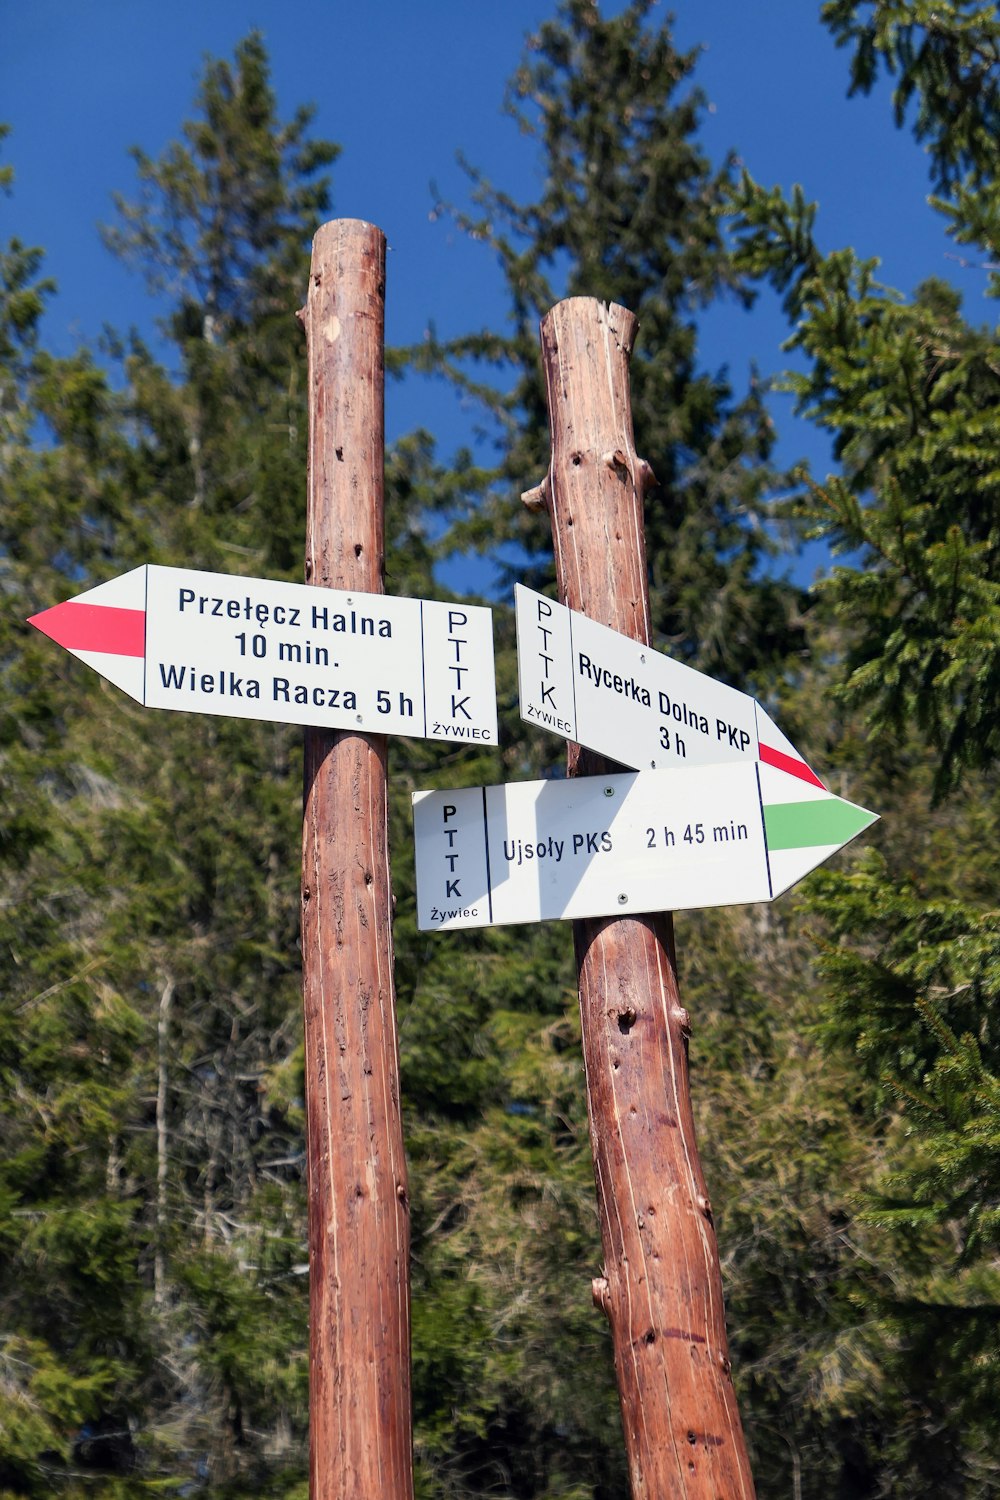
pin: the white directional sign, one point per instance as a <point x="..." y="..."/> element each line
<point x="631" y="703"/>
<point x="630" y="842"/>
<point x="255" y="648"/>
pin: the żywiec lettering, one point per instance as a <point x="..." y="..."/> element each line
<point x="551" y="721"/>
<point x="448" y="916"/>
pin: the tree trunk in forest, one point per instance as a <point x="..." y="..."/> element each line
<point x="661" y="1288"/>
<point x="162" y="1153"/>
<point x="359" y="1236"/>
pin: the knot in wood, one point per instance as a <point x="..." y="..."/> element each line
<point x="679" y="1015"/>
<point x="617" y="461"/>
<point x="537" y="499"/>
<point x="600" y="1291"/>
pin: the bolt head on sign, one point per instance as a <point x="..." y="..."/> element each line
<point x="622" y="844"/>
<point x="257" y="648"/>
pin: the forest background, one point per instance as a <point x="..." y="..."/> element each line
<point x="845" y="1052"/>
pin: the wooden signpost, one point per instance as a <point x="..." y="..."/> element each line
<point x="661" y="1287"/>
<point x="338" y="656"/>
<point x="720" y="808"/>
<point x="360" y="1424"/>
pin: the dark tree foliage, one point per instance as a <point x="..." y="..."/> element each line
<point x="153" y="1256"/>
<point x="220" y="230"/>
<point x="910" y="391"/>
<point x="629" y="211"/>
<point x="152" y="1169"/>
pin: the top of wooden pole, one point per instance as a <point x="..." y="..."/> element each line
<point x="595" y="470"/>
<point x="359" y="1235"/>
<point x="344" y="320"/>
<point x="661" y="1288"/>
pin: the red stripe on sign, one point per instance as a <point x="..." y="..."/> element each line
<point x="94" y="627"/>
<point x="789" y="763"/>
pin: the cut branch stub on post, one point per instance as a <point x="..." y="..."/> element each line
<point x="359" y="1236"/>
<point x="661" y="1288"/>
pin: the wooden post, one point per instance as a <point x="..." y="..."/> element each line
<point x="661" y="1287"/>
<point x="359" y="1235"/>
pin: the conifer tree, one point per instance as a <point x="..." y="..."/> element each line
<point x="908" y="389"/>
<point x="503" y="1182"/>
<point x="180" y="1229"/>
<point x="152" y="1232"/>
<point x="74" y="1336"/>
<point x="629" y="211"/>
<point x="217" y="231"/>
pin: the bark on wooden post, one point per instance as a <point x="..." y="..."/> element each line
<point x="661" y="1288"/>
<point x="359" y="1235"/>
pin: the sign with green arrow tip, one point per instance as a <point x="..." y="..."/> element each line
<point x="718" y="835"/>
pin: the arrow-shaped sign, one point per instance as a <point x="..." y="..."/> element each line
<point x="256" y="648"/>
<point x="633" y="704"/>
<point x="635" y="842"/>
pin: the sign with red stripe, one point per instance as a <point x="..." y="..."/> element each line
<point x="582" y="680"/>
<point x="95" y="627"/>
<point x="258" y="648"/>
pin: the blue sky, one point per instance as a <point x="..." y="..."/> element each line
<point x="404" y="85"/>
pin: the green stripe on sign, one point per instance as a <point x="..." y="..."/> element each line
<point x="804" y="825"/>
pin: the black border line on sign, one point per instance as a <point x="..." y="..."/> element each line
<point x="486" y="842"/>
<point x="572" y="675"/>
<point x="763" y="829"/>
<point x="423" y="666"/>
